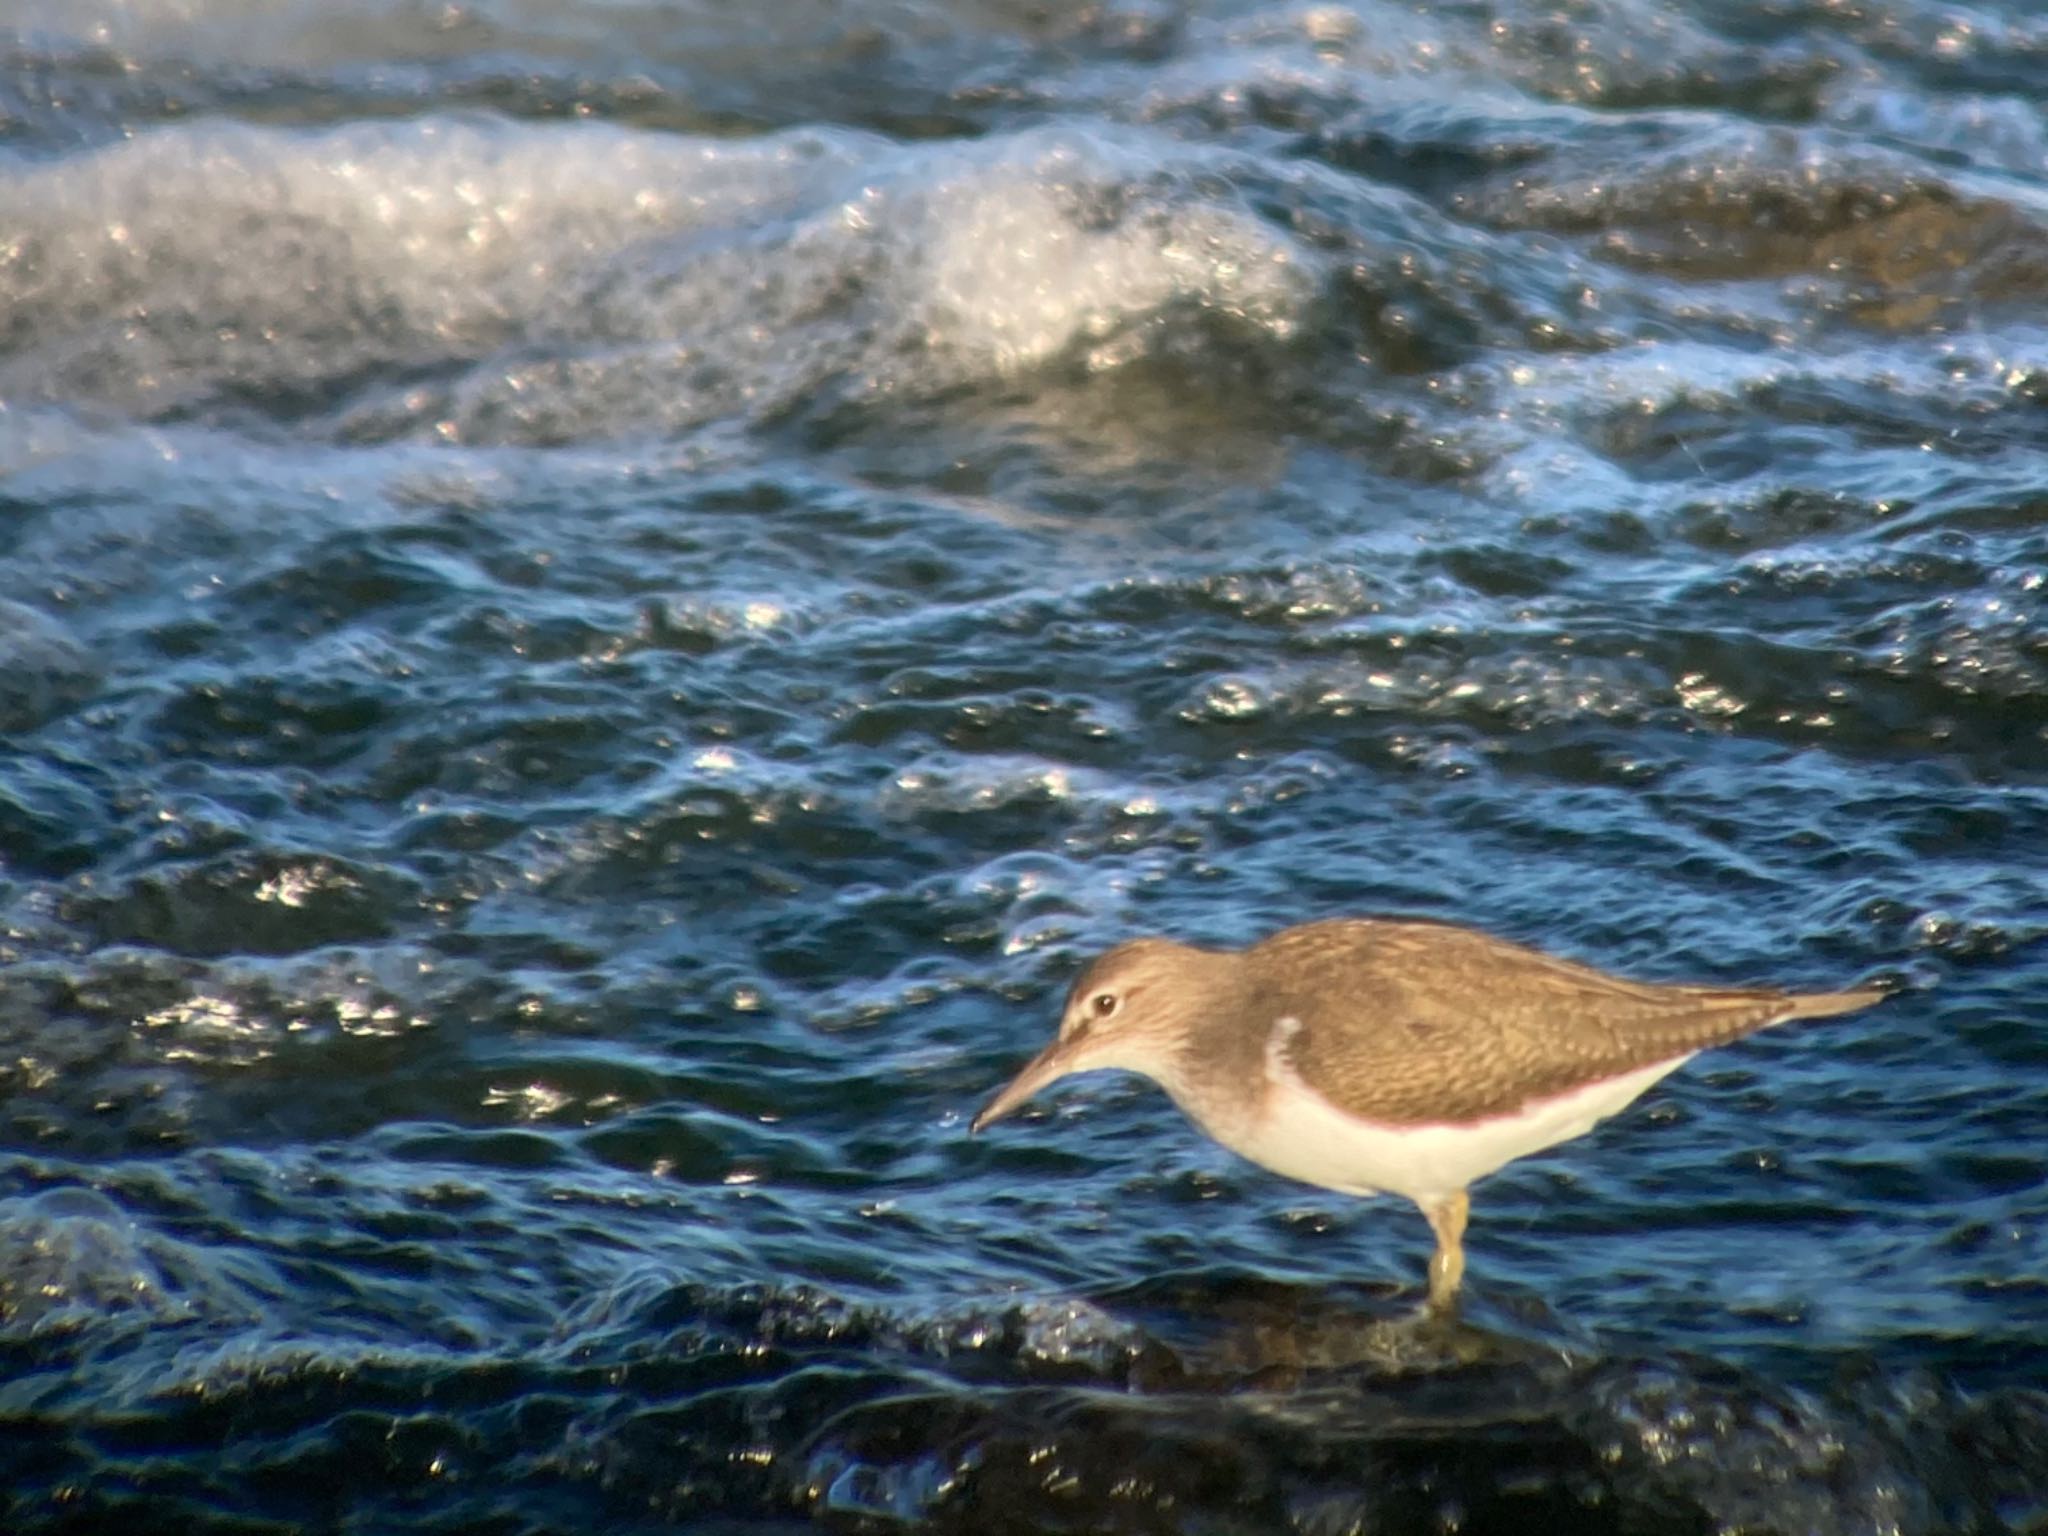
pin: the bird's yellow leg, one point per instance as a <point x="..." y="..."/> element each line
<point x="1447" y="1265"/>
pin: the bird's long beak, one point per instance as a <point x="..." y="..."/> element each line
<point x="1048" y="1066"/>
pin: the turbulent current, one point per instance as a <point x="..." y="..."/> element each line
<point x="601" y="600"/>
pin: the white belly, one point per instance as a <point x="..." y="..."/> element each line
<point x="1301" y="1134"/>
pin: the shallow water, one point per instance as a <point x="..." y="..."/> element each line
<point x="602" y="601"/>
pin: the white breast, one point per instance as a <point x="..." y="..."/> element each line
<point x="1298" y="1132"/>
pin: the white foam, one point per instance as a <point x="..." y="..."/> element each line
<point x="560" y="282"/>
<point x="319" y="255"/>
<point x="1057" y="240"/>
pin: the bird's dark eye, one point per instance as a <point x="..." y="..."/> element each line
<point x="1104" y="1004"/>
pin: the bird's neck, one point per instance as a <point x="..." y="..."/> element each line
<point x="1215" y="1068"/>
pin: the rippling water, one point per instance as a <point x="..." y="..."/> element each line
<point x="601" y="601"/>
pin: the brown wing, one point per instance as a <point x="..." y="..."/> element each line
<point x="1407" y="1022"/>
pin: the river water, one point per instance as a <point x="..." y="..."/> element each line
<point x="601" y="601"/>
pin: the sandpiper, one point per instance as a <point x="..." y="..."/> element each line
<point x="1370" y="1054"/>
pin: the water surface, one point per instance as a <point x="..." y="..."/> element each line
<point x="601" y="602"/>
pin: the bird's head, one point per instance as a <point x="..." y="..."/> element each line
<point x="1132" y="1008"/>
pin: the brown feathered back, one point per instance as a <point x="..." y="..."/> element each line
<point x="1409" y="1022"/>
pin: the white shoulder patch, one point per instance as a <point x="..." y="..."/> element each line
<point x="1279" y="1064"/>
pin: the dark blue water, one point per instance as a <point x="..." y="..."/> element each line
<point x="600" y="602"/>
